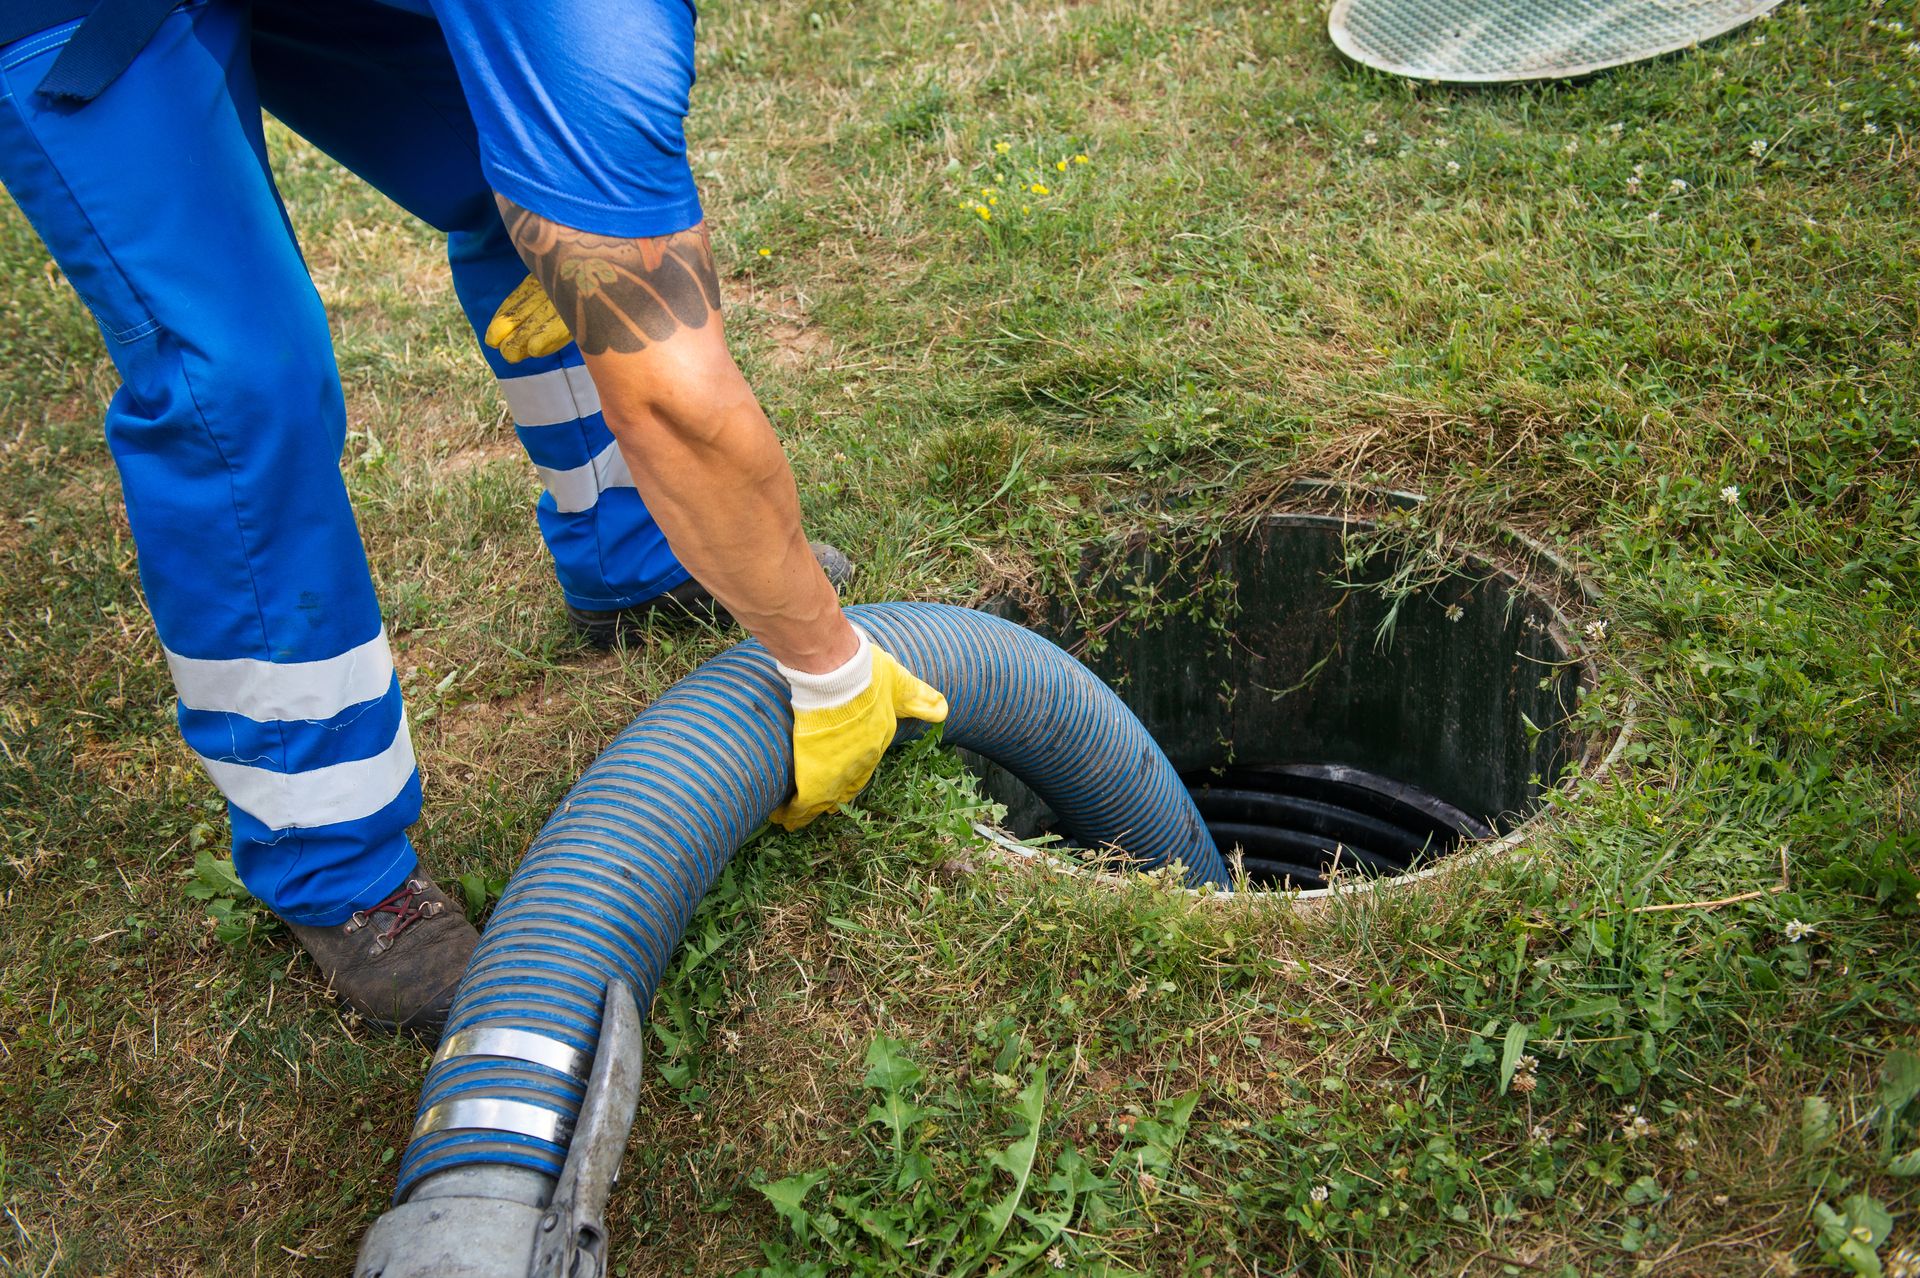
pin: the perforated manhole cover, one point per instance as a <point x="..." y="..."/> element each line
<point x="1489" y="41"/>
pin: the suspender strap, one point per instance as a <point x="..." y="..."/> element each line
<point x="104" y="46"/>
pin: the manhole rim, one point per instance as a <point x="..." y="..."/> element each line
<point x="1596" y="762"/>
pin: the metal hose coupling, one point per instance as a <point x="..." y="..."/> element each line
<point x="501" y="1222"/>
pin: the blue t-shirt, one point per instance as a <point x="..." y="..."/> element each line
<point x="580" y="105"/>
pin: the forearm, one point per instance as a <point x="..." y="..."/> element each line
<point x="715" y="477"/>
<point x="703" y="455"/>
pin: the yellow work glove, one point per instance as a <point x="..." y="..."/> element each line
<point x="843" y="721"/>
<point x="526" y="324"/>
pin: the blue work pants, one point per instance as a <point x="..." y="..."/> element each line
<point x="157" y="202"/>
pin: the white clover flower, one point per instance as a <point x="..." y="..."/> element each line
<point x="1596" y="631"/>
<point x="1056" y="1258"/>
<point x="1319" y="1193"/>
<point x="1370" y="138"/>
<point x="1913" y="48"/>
<point x="1677" y="186"/>
<point x="1541" y="1133"/>
<point x="1573" y="144"/>
<point x="1869" y="128"/>
<point x="1731" y="494"/>
<point x="1654" y="216"/>
<point x="1616" y="128"/>
<point x="1759" y="39"/>
<point x="1633" y="185"/>
<point x="1757" y="148"/>
<point x="1798" y="931"/>
<point x="1453" y="166"/>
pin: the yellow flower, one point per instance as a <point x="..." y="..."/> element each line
<point x="1061" y="165"/>
<point x="766" y="252"/>
<point x="1025" y="209"/>
<point x="1037" y="189"/>
<point x="1002" y="147"/>
<point x="1081" y="159"/>
<point x="986" y="214"/>
<point x="985" y="191"/>
<point x="993" y="199"/>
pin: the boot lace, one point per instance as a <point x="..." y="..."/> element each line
<point x="405" y="904"/>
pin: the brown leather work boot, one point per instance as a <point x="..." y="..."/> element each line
<point x="396" y="963"/>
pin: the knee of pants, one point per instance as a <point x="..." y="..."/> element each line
<point x="229" y="458"/>
<point x="257" y="383"/>
<point x="277" y="358"/>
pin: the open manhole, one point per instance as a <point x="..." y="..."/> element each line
<point x="1342" y="712"/>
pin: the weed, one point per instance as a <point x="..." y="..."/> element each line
<point x="237" y="916"/>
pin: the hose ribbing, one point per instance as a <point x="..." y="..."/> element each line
<point x="614" y="876"/>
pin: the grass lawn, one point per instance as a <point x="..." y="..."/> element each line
<point x="1008" y="276"/>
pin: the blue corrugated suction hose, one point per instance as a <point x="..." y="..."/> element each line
<point x="611" y="881"/>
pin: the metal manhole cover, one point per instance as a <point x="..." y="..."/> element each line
<point x="1482" y="41"/>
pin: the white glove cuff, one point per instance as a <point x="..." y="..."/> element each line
<point x="834" y="688"/>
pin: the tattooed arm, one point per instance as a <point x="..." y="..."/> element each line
<point x="646" y="314"/>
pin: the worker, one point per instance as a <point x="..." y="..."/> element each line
<point x="540" y="138"/>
